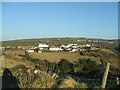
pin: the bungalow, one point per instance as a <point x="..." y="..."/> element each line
<point x="43" y="46"/>
<point x="2" y="48"/>
<point x="30" y="50"/>
<point x="19" y="47"/>
<point x="82" y="49"/>
<point x="39" y="51"/>
<point x="88" y="45"/>
<point x="8" y="47"/>
<point x="55" y="49"/>
<point x="74" y="50"/>
<point x="75" y="46"/>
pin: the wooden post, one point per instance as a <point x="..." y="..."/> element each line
<point x="117" y="81"/>
<point x="105" y="75"/>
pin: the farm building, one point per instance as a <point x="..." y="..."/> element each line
<point x="43" y="47"/>
<point x="55" y="49"/>
<point x="74" y="50"/>
<point x="30" y="50"/>
<point x="2" y="48"/>
<point x="88" y="45"/>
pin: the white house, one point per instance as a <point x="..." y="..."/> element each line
<point x="39" y="51"/>
<point x="2" y="48"/>
<point x="88" y="45"/>
<point x="65" y="46"/>
<point x="30" y="50"/>
<point x="74" y="50"/>
<point x="55" y="49"/>
<point x="8" y="47"/>
<point x="43" y="46"/>
<point x="82" y="49"/>
<point x="75" y="46"/>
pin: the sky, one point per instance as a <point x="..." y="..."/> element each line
<point x="26" y="20"/>
<point x="0" y="22"/>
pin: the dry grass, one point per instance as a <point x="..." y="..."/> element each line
<point x="9" y="63"/>
<point x="12" y="59"/>
<point x="108" y="51"/>
<point x="57" y="56"/>
<point x="14" y="52"/>
<point x="71" y="83"/>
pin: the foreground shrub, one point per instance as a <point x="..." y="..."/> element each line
<point x="87" y="67"/>
<point x="45" y="81"/>
<point x="81" y="85"/>
<point x="64" y="66"/>
<point x="24" y="75"/>
<point x="71" y="83"/>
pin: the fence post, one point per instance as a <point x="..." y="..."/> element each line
<point x="117" y="81"/>
<point x="105" y="75"/>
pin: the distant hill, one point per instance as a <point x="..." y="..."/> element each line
<point x="58" y="41"/>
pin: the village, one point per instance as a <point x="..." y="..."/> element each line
<point x="43" y="47"/>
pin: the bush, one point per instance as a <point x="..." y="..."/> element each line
<point x="64" y="66"/>
<point x="81" y="85"/>
<point x="71" y="83"/>
<point x="24" y="76"/>
<point x="87" y="67"/>
<point x="81" y="53"/>
<point x="45" y="81"/>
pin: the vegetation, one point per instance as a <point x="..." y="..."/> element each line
<point x="87" y="67"/>
<point x="64" y="66"/>
<point x="71" y="83"/>
<point x="74" y="70"/>
<point x="45" y="81"/>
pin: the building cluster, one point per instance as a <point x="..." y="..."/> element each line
<point x="93" y="41"/>
<point x="45" y="47"/>
<point x="2" y="48"/>
<point x="70" y="48"/>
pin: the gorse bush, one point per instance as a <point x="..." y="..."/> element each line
<point x="64" y="66"/>
<point x="45" y="81"/>
<point x="87" y="67"/>
<point x="24" y="75"/>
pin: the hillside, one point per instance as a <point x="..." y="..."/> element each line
<point x="58" y="41"/>
<point x="59" y="69"/>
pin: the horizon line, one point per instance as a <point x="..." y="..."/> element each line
<point x="60" y="37"/>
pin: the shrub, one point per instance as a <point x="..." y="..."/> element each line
<point x="71" y="83"/>
<point x="81" y="53"/>
<point x="64" y="66"/>
<point x="81" y="85"/>
<point x="45" y="81"/>
<point x="87" y="67"/>
<point x="22" y="74"/>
